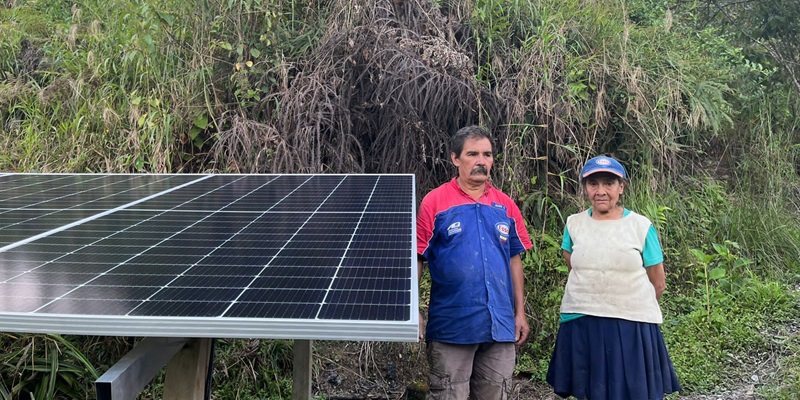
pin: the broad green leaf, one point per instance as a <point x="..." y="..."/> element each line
<point x="716" y="273"/>
<point x="549" y="239"/>
<point x="201" y="121"/>
<point x="166" y="18"/>
<point x="702" y="257"/>
<point x="741" y="262"/>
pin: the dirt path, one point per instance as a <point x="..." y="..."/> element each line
<point x="525" y="390"/>
<point x="373" y="370"/>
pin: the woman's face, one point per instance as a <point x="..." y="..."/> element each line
<point x="603" y="190"/>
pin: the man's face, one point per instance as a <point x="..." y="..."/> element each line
<point x="475" y="162"/>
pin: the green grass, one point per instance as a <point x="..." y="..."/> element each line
<point x="713" y="349"/>
<point x="784" y="382"/>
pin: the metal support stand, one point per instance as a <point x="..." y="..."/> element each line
<point x="125" y="379"/>
<point x="188" y="370"/>
<point x="301" y="384"/>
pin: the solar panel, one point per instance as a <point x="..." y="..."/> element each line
<point x="258" y="256"/>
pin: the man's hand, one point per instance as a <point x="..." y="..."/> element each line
<point x="522" y="329"/>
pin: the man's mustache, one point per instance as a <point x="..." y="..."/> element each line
<point x="479" y="170"/>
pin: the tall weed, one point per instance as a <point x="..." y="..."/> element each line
<point x="727" y="276"/>
<point x="45" y="367"/>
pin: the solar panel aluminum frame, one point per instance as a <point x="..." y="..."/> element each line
<point x="405" y="331"/>
<point x="215" y="327"/>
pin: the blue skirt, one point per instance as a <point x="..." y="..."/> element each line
<point x="599" y="358"/>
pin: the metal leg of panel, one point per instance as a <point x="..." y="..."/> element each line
<point x="301" y="385"/>
<point x="187" y="372"/>
<point x="125" y="379"/>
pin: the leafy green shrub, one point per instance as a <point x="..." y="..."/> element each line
<point x="253" y="369"/>
<point x="705" y="345"/>
<point x="44" y="367"/>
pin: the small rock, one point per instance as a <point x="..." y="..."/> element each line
<point x="416" y="391"/>
<point x="391" y="372"/>
<point x="333" y="378"/>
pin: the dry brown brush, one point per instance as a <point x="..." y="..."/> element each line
<point x="382" y="93"/>
<point x="391" y="80"/>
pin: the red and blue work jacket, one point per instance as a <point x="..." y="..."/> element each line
<point x="468" y="245"/>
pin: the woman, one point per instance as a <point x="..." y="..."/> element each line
<point x="609" y="343"/>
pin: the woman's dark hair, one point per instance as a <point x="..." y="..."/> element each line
<point x="465" y="133"/>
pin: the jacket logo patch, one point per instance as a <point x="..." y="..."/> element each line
<point x="454" y="228"/>
<point x="498" y="205"/>
<point x="503" y="229"/>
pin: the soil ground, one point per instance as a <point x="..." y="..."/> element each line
<point x="398" y="371"/>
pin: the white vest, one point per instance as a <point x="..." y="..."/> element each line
<point x="608" y="278"/>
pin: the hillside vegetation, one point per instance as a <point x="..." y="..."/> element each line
<point x="698" y="98"/>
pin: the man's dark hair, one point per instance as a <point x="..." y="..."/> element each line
<point x="465" y="133"/>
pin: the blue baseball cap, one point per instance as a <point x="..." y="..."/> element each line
<point x="603" y="164"/>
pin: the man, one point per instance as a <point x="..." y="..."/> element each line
<point x="471" y="236"/>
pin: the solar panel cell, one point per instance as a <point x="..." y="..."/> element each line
<point x="14" y="290"/>
<point x="273" y="310"/>
<point x="283" y="296"/>
<point x="179" y="308"/>
<point x="112" y="293"/>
